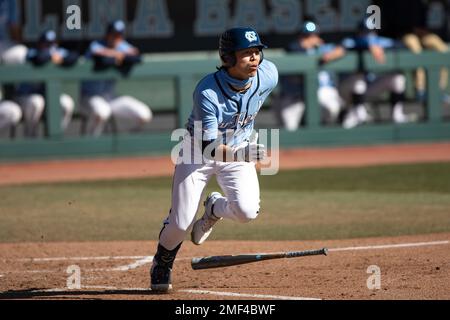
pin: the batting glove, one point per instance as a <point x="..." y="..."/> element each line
<point x="252" y="151"/>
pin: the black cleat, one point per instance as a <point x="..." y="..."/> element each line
<point x="161" y="271"/>
<point x="161" y="278"/>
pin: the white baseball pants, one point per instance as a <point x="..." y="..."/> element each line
<point x="238" y="181"/>
<point x="290" y="109"/>
<point x="13" y="54"/>
<point x="330" y="100"/>
<point x="10" y="114"/>
<point x="130" y="113"/>
<point x="387" y="82"/>
<point x="33" y="106"/>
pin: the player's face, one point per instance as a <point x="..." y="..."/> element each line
<point x="247" y="62"/>
<point x="113" y="39"/>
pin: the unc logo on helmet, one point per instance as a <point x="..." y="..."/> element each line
<point x="235" y="39"/>
<point x="251" y="36"/>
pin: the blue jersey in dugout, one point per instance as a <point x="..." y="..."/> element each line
<point x="222" y="112"/>
<point x="104" y="88"/>
<point x="27" y="88"/>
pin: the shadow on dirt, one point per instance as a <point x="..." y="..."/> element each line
<point x="36" y="293"/>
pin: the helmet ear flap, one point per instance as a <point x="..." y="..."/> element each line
<point x="228" y="59"/>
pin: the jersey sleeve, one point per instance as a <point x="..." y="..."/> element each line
<point x="326" y="48"/>
<point x="94" y="48"/>
<point x="271" y="72"/>
<point x="125" y="46"/>
<point x="205" y="110"/>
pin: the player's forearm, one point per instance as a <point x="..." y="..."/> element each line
<point x="223" y="153"/>
<point x="219" y="152"/>
<point x="106" y="52"/>
<point x="337" y="53"/>
<point x="377" y="53"/>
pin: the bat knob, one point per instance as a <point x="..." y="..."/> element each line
<point x="325" y="251"/>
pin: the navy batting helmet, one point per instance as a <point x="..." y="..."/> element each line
<point x="309" y="27"/>
<point x="48" y="36"/>
<point x="236" y="39"/>
<point x="116" y="26"/>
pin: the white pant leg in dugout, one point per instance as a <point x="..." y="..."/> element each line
<point x="330" y="100"/>
<point x="389" y="82"/>
<point x="67" y="105"/>
<point x="99" y="111"/>
<point x="10" y="114"/>
<point x="33" y="106"/>
<point x="130" y="112"/>
<point x="13" y="53"/>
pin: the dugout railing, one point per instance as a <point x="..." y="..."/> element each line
<point x="184" y="74"/>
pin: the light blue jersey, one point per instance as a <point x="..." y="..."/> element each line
<point x="27" y="88"/>
<point x="104" y="88"/>
<point x="367" y="40"/>
<point x="226" y="113"/>
<point x="326" y="78"/>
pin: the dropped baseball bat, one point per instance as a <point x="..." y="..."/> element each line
<point x="232" y="260"/>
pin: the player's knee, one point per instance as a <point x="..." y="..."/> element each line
<point x="142" y="111"/>
<point x="359" y="87"/>
<point x="14" y="113"/>
<point x="180" y="228"/>
<point x="245" y="212"/>
<point x="146" y="115"/>
<point x="67" y="103"/>
<point x="333" y="108"/>
<point x="37" y="103"/>
<point x="399" y="83"/>
<point x="100" y="108"/>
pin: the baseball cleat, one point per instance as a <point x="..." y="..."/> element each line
<point x="203" y="227"/>
<point x="161" y="279"/>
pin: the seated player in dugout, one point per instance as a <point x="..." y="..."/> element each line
<point x="31" y="95"/>
<point x="99" y="98"/>
<point x="358" y="88"/>
<point x="289" y="105"/>
<point x="225" y="104"/>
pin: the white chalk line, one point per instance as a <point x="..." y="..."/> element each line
<point x="391" y="246"/>
<point x="75" y="258"/>
<point x="134" y="265"/>
<point x="193" y="291"/>
<point x="143" y="260"/>
<point x="30" y="271"/>
<point x="246" y="295"/>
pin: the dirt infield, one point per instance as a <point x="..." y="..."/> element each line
<point x="411" y="267"/>
<point x="95" y="169"/>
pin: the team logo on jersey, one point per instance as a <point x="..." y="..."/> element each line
<point x="251" y="36"/>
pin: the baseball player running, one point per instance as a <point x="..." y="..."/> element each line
<point x="220" y="128"/>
